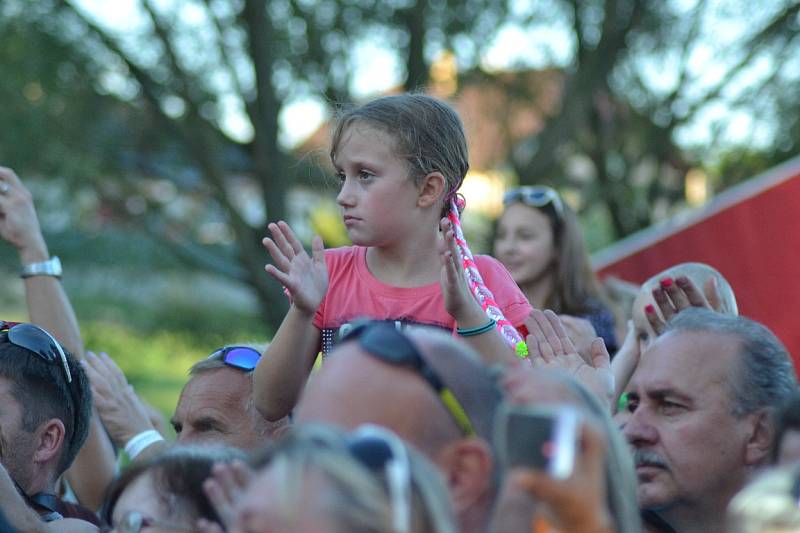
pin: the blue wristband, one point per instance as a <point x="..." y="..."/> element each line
<point x="470" y="332"/>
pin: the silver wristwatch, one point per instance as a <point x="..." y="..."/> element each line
<point x="51" y="267"/>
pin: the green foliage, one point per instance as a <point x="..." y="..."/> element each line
<point x="60" y="125"/>
<point x="155" y="363"/>
<point x="741" y="163"/>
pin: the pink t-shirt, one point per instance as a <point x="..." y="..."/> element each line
<point x="354" y="293"/>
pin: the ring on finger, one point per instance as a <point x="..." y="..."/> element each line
<point x="4" y="187"/>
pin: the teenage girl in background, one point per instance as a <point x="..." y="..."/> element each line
<point x="400" y="161"/>
<point x="539" y="240"/>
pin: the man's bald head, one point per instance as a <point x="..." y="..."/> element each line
<point x="354" y="387"/>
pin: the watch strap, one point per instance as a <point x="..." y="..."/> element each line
<point x="51" y="267"/>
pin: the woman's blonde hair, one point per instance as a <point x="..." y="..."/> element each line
<point x="767" y="504"/>
<point x="357" y="500"/>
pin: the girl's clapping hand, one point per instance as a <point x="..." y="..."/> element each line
<point x="458" y="298"/>
<point x="304" y="276"/>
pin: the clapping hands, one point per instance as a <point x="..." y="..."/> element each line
<point x="304" y="276"/>
<point x="123" y="414"/>
<point x="458" y="298"/>
<point x="550" y="346"/>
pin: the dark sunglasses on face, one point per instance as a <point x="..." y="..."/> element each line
<point x="242" y="357"/>
<point x="384" y="341"/>
<point x="38" y="341"/>
<point x="538" y="196"/>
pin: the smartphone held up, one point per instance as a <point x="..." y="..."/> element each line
<point x="540" y="437"/>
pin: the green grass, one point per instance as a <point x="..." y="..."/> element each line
<point x="152" y="317"/>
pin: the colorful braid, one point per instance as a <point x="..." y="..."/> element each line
<point x="478" y="287"/>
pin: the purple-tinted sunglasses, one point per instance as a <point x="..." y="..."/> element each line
<point x="242" y="357"/>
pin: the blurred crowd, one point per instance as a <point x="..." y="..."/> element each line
<point x="412" y="386"/>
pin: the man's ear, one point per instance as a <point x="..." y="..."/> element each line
<point x="759" y="442"/>
<point x="467" y="466"/>
<point x="49" y="440"/>
<point x="431" y="188"/>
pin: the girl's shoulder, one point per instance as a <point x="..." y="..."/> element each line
<point x="488" y="265"/>
<point x="343" y="255"/>
<point x="506" y="293"/>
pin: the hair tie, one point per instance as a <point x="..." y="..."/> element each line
<point x="461" y="202"/>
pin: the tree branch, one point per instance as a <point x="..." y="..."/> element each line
<point x="753" y="47"/>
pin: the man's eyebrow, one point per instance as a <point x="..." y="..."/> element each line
<point x="208" y="421"/>
<point x="668" y="392"/>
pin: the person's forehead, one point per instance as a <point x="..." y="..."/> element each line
<point x="280" y="513"/>
<point x="354" y="388"/>
<point x="140" y="495"/>
<point x="221" y="388"/>
<point x="692" y="361"/>
<point x="519" y="214"/>
<point x="365" y="140"/>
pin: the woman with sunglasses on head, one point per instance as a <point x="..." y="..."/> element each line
<point x="321" y="479"/>
<point x="539" y="240"/>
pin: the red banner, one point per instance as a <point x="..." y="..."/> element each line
<point x="750" y="233"/>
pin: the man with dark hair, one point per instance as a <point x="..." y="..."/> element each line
<point x="45" y="409"/>
<point x="431" y="390"/>
<point x="702" y="409"/>
<point x="216" y="404"/>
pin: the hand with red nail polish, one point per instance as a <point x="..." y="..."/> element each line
<point x="672" y="296"/>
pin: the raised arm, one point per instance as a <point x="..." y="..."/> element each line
<point x="281" y="374"/>
<point x="49" y="307"/>
<point x="48" y="304"/>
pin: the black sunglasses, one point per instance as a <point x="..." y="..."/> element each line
<point x="242" y="357"/>
<point x="38" y="341"/>
<point x="384" y="341"/>
<point x="538" y="196"/>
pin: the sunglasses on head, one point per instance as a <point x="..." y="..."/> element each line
<point x="242" y="357"/>
<point x="37" y="341"/>
<point x="381" y="451"/>
<point x="384" y="341"/>
<point x="537" y="196"/>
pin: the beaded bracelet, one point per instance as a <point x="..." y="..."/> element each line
<point x="470" y="332"/>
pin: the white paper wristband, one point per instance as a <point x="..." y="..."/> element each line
<point x="138" y="443"/>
